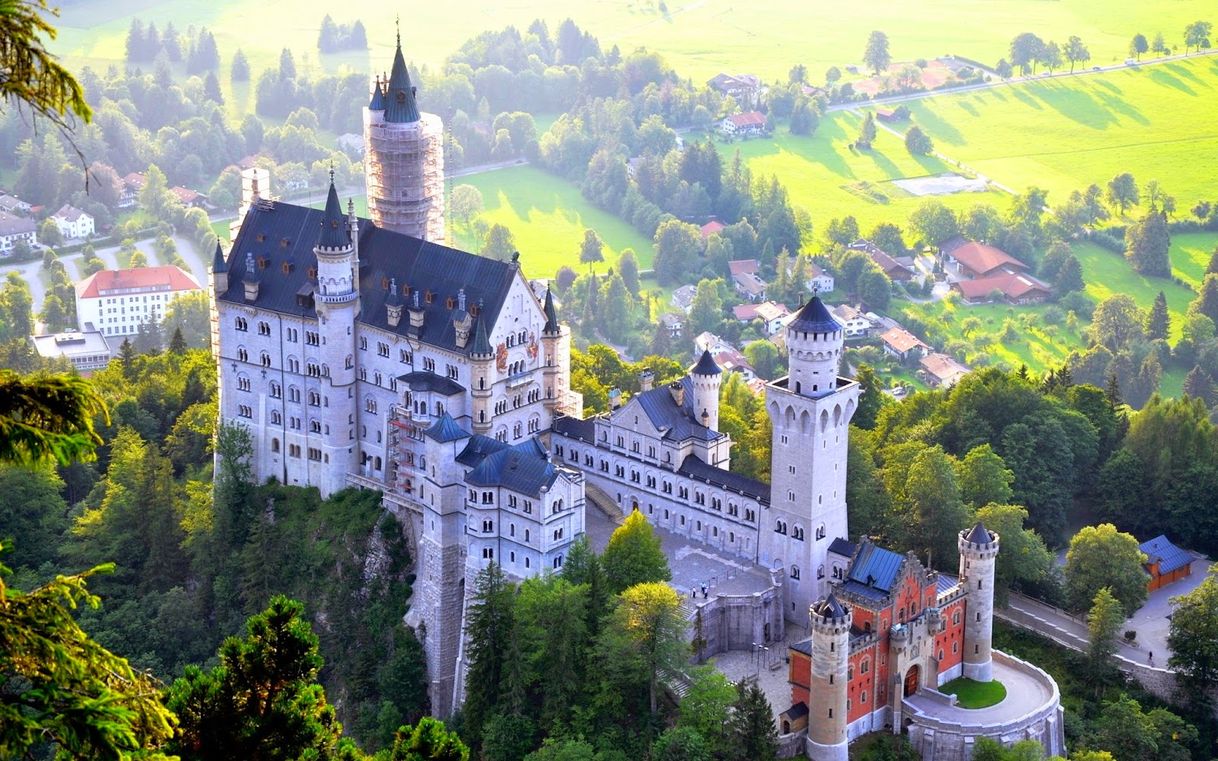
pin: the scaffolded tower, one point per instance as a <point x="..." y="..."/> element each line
<point x="403" y="158"/>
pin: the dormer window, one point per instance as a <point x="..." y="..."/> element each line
<point x="450" y="303"/>
<point x="384" y="283"/>
<point x="283" y="242"/>
<point x="262" y="262"/>
<point x="428" y="296"/>
<point x="312" y="273"/>
<point x="261" y="237"/>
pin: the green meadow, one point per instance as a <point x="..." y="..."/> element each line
<point x="1064" y="133"/>
<point x="829" y="179"/>
<point x="698" y="37"/>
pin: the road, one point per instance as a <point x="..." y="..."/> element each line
<point x="1079" y="72"/>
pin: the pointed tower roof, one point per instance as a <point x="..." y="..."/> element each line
<point x="551" y="314"/>
<point x="218" y="264"/>
<point x="481" y="347"/>
<point x="814" y="318"/>
<point x="446" y="429"/>
<point x="829" y="607"/>
<point x="378" y="99"/>
<point x="979" y="535"/>
<point x="706" y="365"/>
<point x="400" y="105"/>
<point x="333" y="222"/>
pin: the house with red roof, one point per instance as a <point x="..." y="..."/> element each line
<point x="745" y="278"/>
<point x="895" y="267"/>
<point x="971" y="259"/>
<point x="713" y="227"/>
<point x="118" y="302"/>
<point x="903" y="345"/>
<point x="747" y="124"/>
<point x="1014" y="288"/>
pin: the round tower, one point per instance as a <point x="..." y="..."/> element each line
<point x="403" y="158"/>
<point x="706" y="377"/>
<point x="827" y="739"/>
<point x="814" y="350"/>
<point x="978" y="551"/>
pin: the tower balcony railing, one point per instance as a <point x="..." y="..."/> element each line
<point x="516" y="380"/>
<point x="341" y="298"/>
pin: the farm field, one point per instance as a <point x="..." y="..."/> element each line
<point x="1064" y="134"/>
<point x="828" y="179"/>
<point x="698" y="37"/>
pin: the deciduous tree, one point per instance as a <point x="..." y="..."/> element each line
<point x="876" y="55"/>
<point x="1100" y="556"/>
<point x="633" y="555"/>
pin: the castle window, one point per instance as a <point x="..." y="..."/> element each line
<point x="276" y="418"/>
<point x="244" y="410"/>
<point x="314" y="399"/>
<point x="382" y="349"/>
<point x="820" y="572"/>
<point x="488" y="553"/>
<point x="264" y="329"/>
<point x="795" y="572"/>
<point x="243" y="384"/>
<point x="274" y="446"/>
<point x="312" y="273"/>
<point x="428" y="296"/>
<point x="294" y="450"/>
<point x="314" y="426"/>
<point x="265" y="359"/>
<point x="956" y="618"/>
<point x="404" y="356"/>
<point x="242" y="325"/>
<point x="820" y="531"/>
<point x="865" y="666"/>
<point x="312" y="339"/>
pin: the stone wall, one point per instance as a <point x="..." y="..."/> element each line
<point x="940" y="740"/>
<point x="736" y="622"/>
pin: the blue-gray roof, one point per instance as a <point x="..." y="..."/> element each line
<point x="446" y="429"/>
<point x="675" y="423"/>
<point x="217" y="261"/>
<point x="423" y="381"/>
<point x="873" y="568"/>
<point x="400" y="105"/>
<point x="843" y="547"/>
<point x="706" y="365"/>
<point x="282" y="236"/>
<point x="551" y="314"/>
<point x="576" y="428"/>
<point x="333" y="223"/>
<point x="1169" y="556"/>
<point x="378" y="101"/>
<point x="979" y="535"/>
<point x="814" y="318"/>
<point x="743" y="485"/>
<point x="518" y="468"/>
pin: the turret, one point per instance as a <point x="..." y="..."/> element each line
<point x="378" y="98"/>
<point x="814" y="348"/>
<point x="219" y="271"/>
<point x="827" y="740"/>
<point x="482" y="360"/>
<point x="978" y="552"/>
<point x="706" y="377"/>
<point x="556" y="351"/>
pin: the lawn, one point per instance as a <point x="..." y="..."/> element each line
<point x="1065" y="133"/>
<point x="1190" y="255"/>
<point x="971" y="694"/>
<point x="828" y="179"/>
<point x="1106" y="274"/>
<point x="698" y="37"/>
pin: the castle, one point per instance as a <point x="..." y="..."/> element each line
<point x="366" y="353"/>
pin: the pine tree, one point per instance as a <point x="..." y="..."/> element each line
<point x="126" y="353"/>
<point x="489" y="623"/>
<point x="1147" y="242"/>
<point x="240" y="67"/>
<point x="1158" y="323"/>
<point x="1212" y="267"/>
<point x="1199" y="385"/>
<point x="1070" y="276"/>
<point x="752" y="732"/>
<point x="1206" y="302"/>
<point x="177" y="344"/>
<point x="867" y="132"/>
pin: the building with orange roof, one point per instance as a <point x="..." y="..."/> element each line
<point x="117" y="302"/>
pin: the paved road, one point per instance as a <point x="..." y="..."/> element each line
<point x="1078" y="72"/>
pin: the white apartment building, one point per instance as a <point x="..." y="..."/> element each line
<point x="117" y="302"/>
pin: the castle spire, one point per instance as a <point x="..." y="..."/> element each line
<point x="551" y="325"/>
<point x="378" y="101"/>
<point x="217" y="261"/>
<point x="400" y="106"/>
<point x="333" y="223"/>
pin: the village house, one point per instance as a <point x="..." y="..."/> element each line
<point x="73" y="223"/>
<point x="11" y="204"/>
<point x="118" y="302"/>
<point x="189" y="198"/>
<point x="674" y="323"/>
<point x="1014" y="288"/>
<point x="970" y="260"/>
<point x="772" y="314"/>
<point x="941" y="371"/>
<point x="713" y="227"/>
<point x="896" y="268"/>
<point x="728" y="357"/>
<point x="854" y="323"/>
<point x="87" y="350"/>
<point x="13" y="230"/>
<point x="746" y="89"/>
<point x="1165" y="562"/>
<point x="132" y="184"/>
<point x="683" y="297"/>
<point x="903" y="345"/>
<point x="819" y="281"/>
<point x="748" y="124"/>
<point x="745" y="278"/>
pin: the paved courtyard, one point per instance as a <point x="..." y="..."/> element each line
<point x="1153" y="620"/>
<point x="1027" y="691"/>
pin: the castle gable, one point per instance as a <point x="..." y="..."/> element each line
<point x="673" y="421"/>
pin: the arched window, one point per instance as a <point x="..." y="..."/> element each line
<point x="275" y="446"/>
<point x="794" y="572"/>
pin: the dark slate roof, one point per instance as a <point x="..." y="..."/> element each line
<point x="288" y="234"/>
<point x="378" y="101"/>
<point x="584" y="430"/>
<point x="518" y="468"/>
<point x="481" y="347"/>
<point x="446" y="429"/>
<point x="803" y="646"/>
<point x="424" y="381"/>
<point x="814" y="318"/>
<point x="1169" y="556"/>
<point x="843" y="547"/>
<point x="400" y="106"/>
<point x="873" y="571"/>
<point x="829" y="607"/>
<point x="333" y="223"/>
<point x="477" y="448"/>
<point x="675" y="423"/>
<point x="979" y="535"/>
<point x="797" y="711"/>
<point x="944" y="583"/>
<point x="551" y="314"/>
<point x="700" y="471"/>
<point x="706" y="365"/>
<point x="217" y="261"/>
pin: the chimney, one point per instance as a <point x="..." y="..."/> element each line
<point x="646" y="379"/>
<point x="615" y="398"/>
<point x="677" y="389"/>
<point x="416" y="311"/>
<point x="393" y="304"/>
<point x="251" y="278"/>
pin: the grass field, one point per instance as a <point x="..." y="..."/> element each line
<point x="971" y="694"/>
<point x="1063" y="134"/>
<point x="826" y="177"/>
<point x="698" y="37"/>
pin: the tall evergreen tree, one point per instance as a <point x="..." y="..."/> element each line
<point x="1199" y="385"/>
<point x="488" y="627"/>
<point x="1147" y="242"/>
<point x="752" y="731"/>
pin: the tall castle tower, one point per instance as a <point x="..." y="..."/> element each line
<point x="403" y="158"/>
<point x="810" y="410"/>
<point x="706" y="377"/>
<point x="978" y="551"/>
<point x="333" y="376"/>
<point x="827" y="720"/>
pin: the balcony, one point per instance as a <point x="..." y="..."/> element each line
<point x="517" y="380"/>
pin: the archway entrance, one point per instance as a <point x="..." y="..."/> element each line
<point x="911" y="680"/>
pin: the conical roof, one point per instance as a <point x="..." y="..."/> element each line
<point x="218" y="264"/>
<point x="829" y="607"/>
<point x="551" y="314"/>
<point x="481" y="347"/>
<point x="814" y="318"/>
<point x="378" y="100"/>
<point x="979" y="535"/>
<point x="706" y="365"/>
<point x="446" y="429"/>
<point x="400" y="106"/>
<point x="333" y="223"/>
